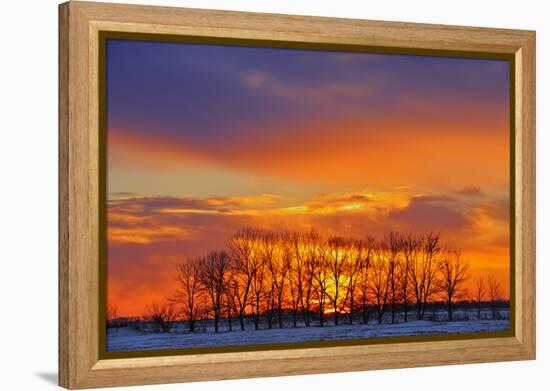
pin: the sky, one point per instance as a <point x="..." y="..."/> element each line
<point x="205" y="139"/>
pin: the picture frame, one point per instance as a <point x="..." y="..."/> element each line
<point x="81" y="162"/>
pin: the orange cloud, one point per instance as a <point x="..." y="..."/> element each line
<point x="149" y="235"/>
<point x="377" y="152"/>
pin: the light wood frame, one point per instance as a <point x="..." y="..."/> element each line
<point x="79" y="25"/>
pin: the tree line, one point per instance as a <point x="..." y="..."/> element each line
<point x="266" y="275"/>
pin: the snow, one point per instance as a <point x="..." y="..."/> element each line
<point x="128" y="339"/>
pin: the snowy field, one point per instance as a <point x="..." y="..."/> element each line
<point x="128" y="339"/>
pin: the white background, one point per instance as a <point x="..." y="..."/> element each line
<point x="28" y="217"/>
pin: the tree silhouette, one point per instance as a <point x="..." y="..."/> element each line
<point x="213" y="274"/>
<point x="479" y="294"/>
<point x="267" y="276"/>
<point x="162" y="317"/>
<point x="188" y="294"/>
<point x="495" y="293"/>
<point x="424" y="272"/>
<point x="454" y="274"/>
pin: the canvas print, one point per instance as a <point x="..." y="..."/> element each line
<point x="271" y="196"/>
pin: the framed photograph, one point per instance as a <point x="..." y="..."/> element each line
<point x="247" y="195"/>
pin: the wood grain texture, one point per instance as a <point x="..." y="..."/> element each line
<point x="79" y="363"/>
<point x="526" y="189"/>
<point x="63" y="309"/>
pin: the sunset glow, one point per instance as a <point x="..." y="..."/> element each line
<point x="205" y="140"/>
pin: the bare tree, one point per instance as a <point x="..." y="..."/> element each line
<point x="162" y="317"/>
<point x="271" y="290"/>
<point x="295" y="275"/>
<point x="495" y="293"/>
<point x="424" y="272"/>
<point x="189" y="291"/>
<point x="214" y="269"/>
<point x="244" y="256"/>
<point x="391" y="246"/>
<point x="258" y="292"/>
<point x="310" y="253"/>
<point x="270" y="301"/>
<point x="337" y="257"/>
<point x="229" y="302"/>
<point x="353" y="268"/>
<point x="111" y="315"/>
<point x="278" y="267"/>
<point x="321" y="277"/>
<point x="454" y="274"/>
<point x="410" y="247"/>
<point x="479" y="294"/>
<point x="379" y="282"/>
<point x="364" y="255"/>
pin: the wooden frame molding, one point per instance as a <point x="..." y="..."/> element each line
<point x="80" y="365"/>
